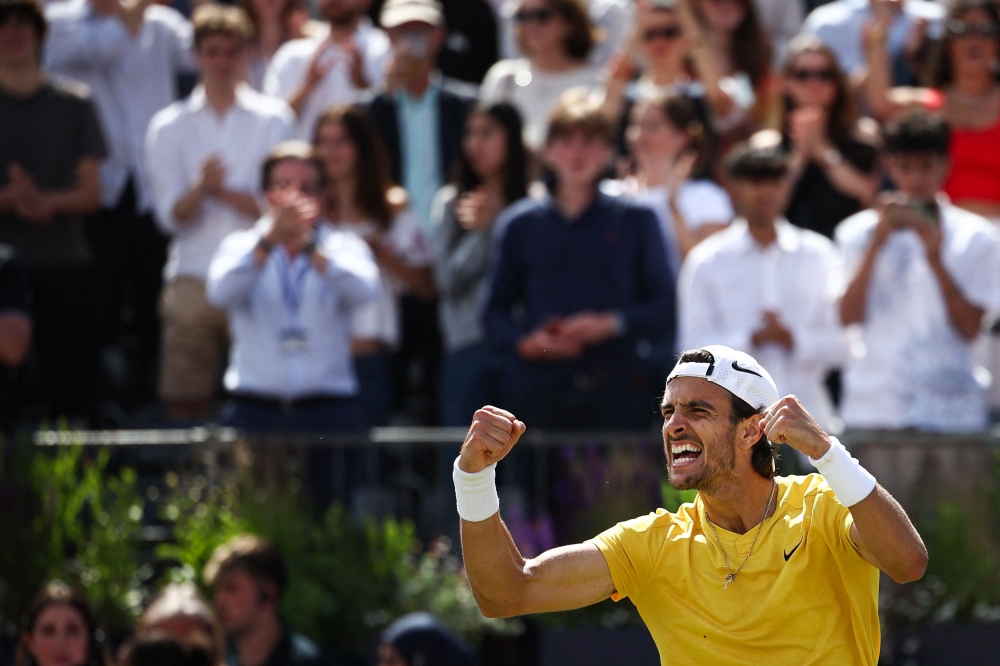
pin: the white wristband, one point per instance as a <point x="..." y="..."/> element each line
<point x="847" y="478"/>
<point x="476" y="493"/>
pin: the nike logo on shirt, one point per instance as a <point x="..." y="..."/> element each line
<point x="787" y="555"/>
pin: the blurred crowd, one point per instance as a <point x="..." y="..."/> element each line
<point x="241" y="626"/>
<point x="326" y="217"/>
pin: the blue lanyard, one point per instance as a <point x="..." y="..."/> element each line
<point x="292" y="283"/>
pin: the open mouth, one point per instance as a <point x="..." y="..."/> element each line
<point x="684" y="453"/>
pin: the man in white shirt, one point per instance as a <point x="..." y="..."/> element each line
<point x="336" y="66"/>
<point x="289" y="286"/>
<point x="767" y="287"/>
<point x="922" y="274"/>
<point x="840" y="24"/>
<point x="204" y="156"/>
<point x="130" y="53"/>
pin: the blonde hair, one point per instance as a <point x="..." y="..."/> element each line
<point x="216" y="19"/>
<point x="577" y="112"/>
<point x="184" y="600"/>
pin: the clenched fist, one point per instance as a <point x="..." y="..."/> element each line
<point x="493" y="434"/>
<point x="788" y="422"/>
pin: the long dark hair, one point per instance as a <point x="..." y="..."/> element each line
<point x="844" y="113"/>
<point x="57" y="593"/>
<point x="515" y="170"/>
<point x="581" y="36"/>
<point x="750" y="49"/>
<point x="940" y="73"/>
<point x="681" y="112"/>
<point x="373" y="182"/>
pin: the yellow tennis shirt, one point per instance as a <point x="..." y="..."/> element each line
<point x="805" y="596"/>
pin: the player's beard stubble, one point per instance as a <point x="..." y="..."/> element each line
<point x="715" y="465"/>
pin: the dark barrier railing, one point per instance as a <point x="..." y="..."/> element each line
<point x="919" y="469"/>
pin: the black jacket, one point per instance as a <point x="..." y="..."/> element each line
<point x="453" y="108"/>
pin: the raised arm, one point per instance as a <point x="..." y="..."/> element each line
<point x="882" y="532"/>
<point x="504" y="583"/>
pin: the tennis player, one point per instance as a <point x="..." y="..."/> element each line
<point x="757" y="570"/>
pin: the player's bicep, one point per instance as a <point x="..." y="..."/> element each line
<point x="567" y="577"/>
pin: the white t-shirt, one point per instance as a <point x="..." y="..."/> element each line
<point x="290" y="64"/>
<point x="911" y="368"/>
<point x="701" y="202"/>
<point x="534" y="93"/>
<point x="379" y="319"/>
<point x="729" y="281"/>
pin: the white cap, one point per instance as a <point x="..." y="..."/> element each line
<point x="397" y="12"/>
<point x="735" y="371"/>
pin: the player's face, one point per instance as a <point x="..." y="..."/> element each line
<point x="698" y="436"/>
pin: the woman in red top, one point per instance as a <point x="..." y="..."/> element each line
<point x="963" y="86"/>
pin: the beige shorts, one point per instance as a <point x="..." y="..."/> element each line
<point x="195" y="340"/>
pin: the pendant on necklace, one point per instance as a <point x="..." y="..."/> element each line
<point x="729" y="579"/>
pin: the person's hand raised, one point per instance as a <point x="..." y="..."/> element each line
<point x="477" y="209"/>
<point x="321" y="63"/>
<point x="493" y="434"/>
<point x="788" y="422"/>
<point x="807" y="130"/>
<point x="294" y="217"/>
<point x="213" y="175"/>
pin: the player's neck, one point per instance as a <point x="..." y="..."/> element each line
<point x="738" y="506"/>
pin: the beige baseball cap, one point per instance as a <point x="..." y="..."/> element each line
<point x="398" y="12"/>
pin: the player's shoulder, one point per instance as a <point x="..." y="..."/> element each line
<point x="661" y="523"/>
<point x="799" y="491"/>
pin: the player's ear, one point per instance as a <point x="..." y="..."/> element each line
<point x="750" y="432"/>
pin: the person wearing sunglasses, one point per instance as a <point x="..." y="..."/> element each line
<point x="653" y="62"/>
<point x="555" y="38"/>
<point x="833" y="170"/>
<point x="964" y="88"/>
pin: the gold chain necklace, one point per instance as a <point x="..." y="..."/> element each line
<point x="731" y="576"/>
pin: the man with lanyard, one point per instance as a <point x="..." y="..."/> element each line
<point x="289" y="286"/>
<point x="758" y="569"/>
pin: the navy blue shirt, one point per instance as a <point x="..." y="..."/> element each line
<point x="611" y="258"/>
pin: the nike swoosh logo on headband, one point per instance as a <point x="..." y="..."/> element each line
<point x="738" y="368"/>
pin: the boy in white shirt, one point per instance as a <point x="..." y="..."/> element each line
<point x="767" y="287"/>
<point x="922" y="274"/>
<point x="204" y="156"/>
